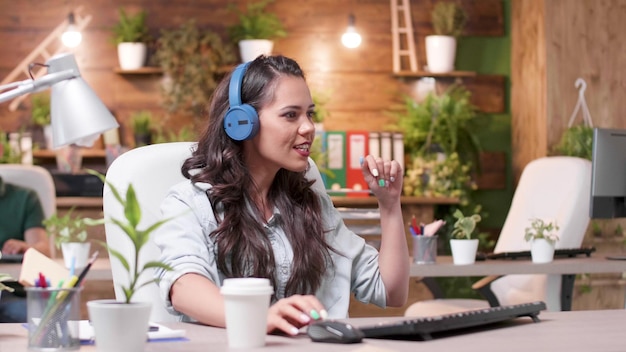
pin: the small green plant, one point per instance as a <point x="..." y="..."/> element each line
<point x="541" y="229"/>
<point x="131" y="28"/>
<point x="139" y="237"/>
<point x="164" y="135"/>
<point x="464" y="226"/>
<point x="40" y="108"/>
<point x="67" y="228"/>
<point x="256" y="23"/>
<point x="142" y="122"/>
<point x="576" y="141"/>
<point x="448" y="18"/>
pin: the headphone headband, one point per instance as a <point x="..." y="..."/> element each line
<point x="236" y="81"/>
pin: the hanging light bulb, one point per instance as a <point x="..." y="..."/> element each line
<point x="351" y="38"/>
<point x="71" y="38"/>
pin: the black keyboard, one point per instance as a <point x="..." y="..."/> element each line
<point x="558" y="253"/>
<point x="425" y="328"/>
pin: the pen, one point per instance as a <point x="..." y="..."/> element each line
<point x="83" y="273"/>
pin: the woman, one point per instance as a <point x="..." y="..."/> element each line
<point x="250" y="211"/>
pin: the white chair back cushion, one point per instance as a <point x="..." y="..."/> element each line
<point x="553" y="188"/>
<point x="152" y="170"/>
<point x="36" y="178"/>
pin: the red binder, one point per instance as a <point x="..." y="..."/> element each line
<point x="357" y="148"/>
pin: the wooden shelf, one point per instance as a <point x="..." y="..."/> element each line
<point x="146" y="70"/>
<point x="86" y="153"/>
<point x="452" y="74"/>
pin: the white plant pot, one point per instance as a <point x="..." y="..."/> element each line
<point x="464" y="251"/>
<point x="131" y="56"/>
<point x="250" y="49"/>
<point x="440" y="53"/>
<point x="47" y="134"/>
<point x="119" y="326"/>
<point x="541" y="251"/>
<point x="77" y="250"/>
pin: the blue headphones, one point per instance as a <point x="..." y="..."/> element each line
<point x="241" y="121"/>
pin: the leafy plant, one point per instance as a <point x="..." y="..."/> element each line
<point x="138" y="237"/>
<point x="256" y="23"/>
<point x="142" y="122"/>
<point x="464" y="225"/>
<point x="194" y="61"/>
<point x="541" y="229"/>
<point x="8" y="154"/>
<point x="443" y="122"/>
<point x="576" y="141"/>
<point x="131" y="28"/>
<point x="40" y="109"/>
<point x="185" y="134"/>
<point x="448" y="18"/>
<point x="67" y="228"/>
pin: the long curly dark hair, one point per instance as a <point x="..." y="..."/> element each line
<point x="243" y="248"/>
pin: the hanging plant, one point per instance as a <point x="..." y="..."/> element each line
<point x="194" y="62"/>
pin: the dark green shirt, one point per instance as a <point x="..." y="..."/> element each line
<point x="20" y="210"/>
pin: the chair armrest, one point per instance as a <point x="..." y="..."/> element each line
<point x="483" y="286"/>
<point x="432" y="286"/>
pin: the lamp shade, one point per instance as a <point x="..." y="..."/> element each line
<point x="78" y="115"/>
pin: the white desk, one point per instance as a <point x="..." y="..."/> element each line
<point x="444" y="267"/>
<point x="600" y="330"/>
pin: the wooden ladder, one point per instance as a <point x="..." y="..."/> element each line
<point x="46" y="49"/>
<point x="402" y="37"/>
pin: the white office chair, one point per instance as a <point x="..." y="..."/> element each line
<point x="152" y="170"/>
<point x="36" y="178"/>
<point x="550" y="188"/>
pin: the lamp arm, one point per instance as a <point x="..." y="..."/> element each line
<point x="29" y="86"/>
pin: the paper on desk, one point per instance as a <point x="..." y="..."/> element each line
<point x="86" y="333"/>
<point x="35" y="262"/>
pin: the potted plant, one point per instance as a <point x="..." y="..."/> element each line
<point x="256" y="30"/>
<point x="463" y="246"/>
<point x="193" y="61"/>
<point x="122" y="325"/>
<point x="131" y="36"/>
<point x="70" y="235"/>
<point x="142" y="127"/>
<point x="448" y="20"/>
<point x="542" y="236"/>
<point x="40" y="116"/>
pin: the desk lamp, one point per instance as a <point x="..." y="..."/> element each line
<point x="78" y="115"/>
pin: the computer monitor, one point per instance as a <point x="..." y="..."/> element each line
<point x="608" y="177"/>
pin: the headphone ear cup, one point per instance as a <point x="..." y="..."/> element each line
<point x="241" y="122"/>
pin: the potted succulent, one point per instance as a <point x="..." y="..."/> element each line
<point x="70" y="235"/>
<point x="122" y="325"/>
<point x="142" y="127"/>
<point x="543" y="238"/>
<point x="463" y="246"/>
<point x="256" y="30"/>
<point x="448" y="20"/>
<point x="131" y="36"/>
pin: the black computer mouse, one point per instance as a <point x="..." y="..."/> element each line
<point x="334" y="332"/>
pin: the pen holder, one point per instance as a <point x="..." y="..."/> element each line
<point x="53" y="318"/>
<point x="424" y="249"/>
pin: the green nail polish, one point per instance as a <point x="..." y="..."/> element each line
<point x="314" y="314"/>
<point x="381" y="182"/>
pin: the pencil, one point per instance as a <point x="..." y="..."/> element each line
<point x="86" y="270"/>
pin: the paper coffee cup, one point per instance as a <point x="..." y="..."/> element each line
<point x="246" y="301"/>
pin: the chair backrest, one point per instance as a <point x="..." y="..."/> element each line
<point x="555" y="188"/>
<point x="152" y="170"/>
<point x="36" y="178"/>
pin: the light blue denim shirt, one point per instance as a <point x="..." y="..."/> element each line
<point x="186" y="246"/>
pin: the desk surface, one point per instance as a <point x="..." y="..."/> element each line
<point x="101" y="269"/>
<point x="600" y="330"/>
<point x="578" y="265"/>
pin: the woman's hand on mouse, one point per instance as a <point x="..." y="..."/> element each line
<point x="290" y="314"/>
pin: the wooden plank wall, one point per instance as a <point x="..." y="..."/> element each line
<point x="359" y="81"/>
<point x="554" y="42"/>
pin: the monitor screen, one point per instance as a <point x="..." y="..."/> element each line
<point x="608" y="177"/>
